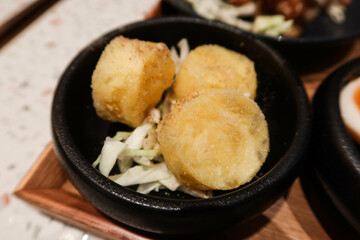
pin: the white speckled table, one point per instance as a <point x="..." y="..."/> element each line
<point x="30" y="66"/>
<point x="9" y="8"/>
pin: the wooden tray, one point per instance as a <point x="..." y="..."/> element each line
<point x="46" y="187"/>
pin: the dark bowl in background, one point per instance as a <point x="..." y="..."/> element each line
<point x="78" y="134"/>
<point x="319" y="36"/>
<point x="336" y="155"/>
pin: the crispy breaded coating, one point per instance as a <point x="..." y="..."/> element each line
<point x="130" y="78"/>
<point x="215" y="139"/>
<point x="213" y="66"/>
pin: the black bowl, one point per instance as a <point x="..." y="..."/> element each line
<point x="321" y="31"/>
<point x="337" y="156"/>
<point x="319" y="37"/>
<point x="78" y="134"/>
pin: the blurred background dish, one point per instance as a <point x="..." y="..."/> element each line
<point x="321" y="32"/>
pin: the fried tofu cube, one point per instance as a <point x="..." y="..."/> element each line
<point x="130" y="78"/>
<point x="213" y="66"/>
<point x="214" y="139"/>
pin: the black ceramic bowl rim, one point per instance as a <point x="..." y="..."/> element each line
<point x="334" y="134"/>
<point x="281" y="172"/>
<point x="336" y="82"/>
<point x="293" y="41"/>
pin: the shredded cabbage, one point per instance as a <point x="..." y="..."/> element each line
<point x="154" y="116"/>
<point x="139" y="160"/>
<point x="228" y="13"/>
<point x="121" y="135"/>
<point x="135" y="140"/>
<point x="150" y="141"/>
<point x="97" y="161"/>
<point x="143" y="160"/>
<point x="145" y="188"/>
<point x="336" y="12"/>
<point x="124" y="163"/>
<point x="111" y="149"/>
<point x="272" y="25"/>
<point x="171" y="182"/>
<point x="141" y="152"/>
<point x="195" y="192"/>
<point x="142" y="174"/>
<point x="184" y="50"/>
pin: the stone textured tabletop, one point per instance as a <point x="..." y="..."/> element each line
<point x="30" y="66"/>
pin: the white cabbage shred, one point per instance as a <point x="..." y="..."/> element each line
<point x="184" y="50"/>
<point x="111" y="149"/>
<point x="336" y="12"/>
<point x="140" y="174"/>
<point x="225" y="12"/>
<point x="137" y="155"/>
<point x="271" y="25"/>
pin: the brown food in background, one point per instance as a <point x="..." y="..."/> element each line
<point x="295" y="31"/>
<point x="239" y="2"/>
<point x="300" y="10"/>
<point x="344" y="2"/>
<point x="291" y="9"/>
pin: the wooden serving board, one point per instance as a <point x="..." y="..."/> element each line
<point x="293" y="216"/>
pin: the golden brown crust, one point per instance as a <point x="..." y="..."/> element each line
<point x="213" y="66"/>
<point x="217" y="139"/>
<point x="130" y="78"/>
